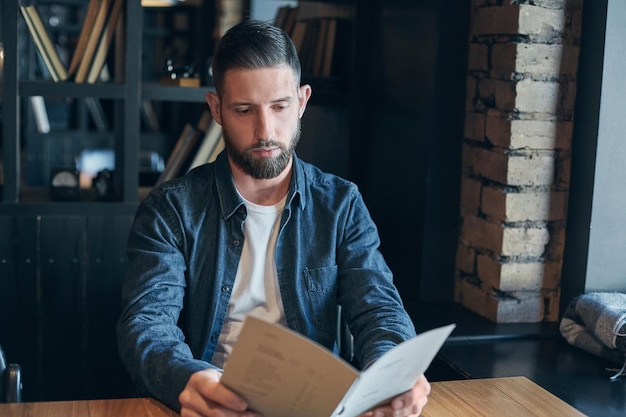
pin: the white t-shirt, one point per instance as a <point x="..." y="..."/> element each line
<point x="256" y="288"/>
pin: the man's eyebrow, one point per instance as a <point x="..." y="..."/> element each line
<point x="288" y="99"/>
<point x="281" y="99"/>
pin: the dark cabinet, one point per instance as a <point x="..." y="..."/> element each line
<point x="60" y="282"/>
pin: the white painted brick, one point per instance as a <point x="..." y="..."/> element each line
<point x="523" y="206"/>
<point x="527" y="134"/>
<point x="535" y="20"/>
<point x="537" y="96"/>
<point x="510" y="276"/>
<point x="540" y="134"/>
<point x="523" y="308"/>
<point x="553" y="4"/>
<point x="530" y="170"/>
<point x="533" y="206"/>
<point x="538" y="59"/>
<point x="524" y="241"/>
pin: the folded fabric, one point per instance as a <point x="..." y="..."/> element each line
<point x="596" y="323"/>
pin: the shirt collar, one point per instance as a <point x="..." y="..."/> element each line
<point x="229" y="199"/>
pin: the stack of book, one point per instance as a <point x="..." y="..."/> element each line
<point x="195" y="146"/>
<point x="92" y="47"/>
<point x="89" y="57"/>
<point x="317" y="30"/>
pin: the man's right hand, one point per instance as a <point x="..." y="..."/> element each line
<point x="205" y="396"/>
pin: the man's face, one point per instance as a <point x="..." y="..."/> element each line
<point x="260" y="113"/>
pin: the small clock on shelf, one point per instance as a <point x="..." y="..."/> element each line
<point x="64" y="184"/>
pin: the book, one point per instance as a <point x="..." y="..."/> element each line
<point x="320" y="47"/>
<point x="105" y="42"/>
<point x="149" y="116"/>
<point x="297" y="35"/>
<point x="83" y="37"/>
<point x="280" y="16"/>
<point x="290" y="19"/>
<point x="92" y="43"/>
<point x="219" y="147"/>
<point x="309" y="44"/>
<point x="179" y="154"/>
<point x="209" y="142"/>
<point x="281" y="373"/>
<point x="202" y="126"/>
<point x="327" y="64"/>
<point x="43" y="41"/>
<point x="42" y="122"/>
<point x="94" y="105"/>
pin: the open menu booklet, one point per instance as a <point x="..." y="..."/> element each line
<point x="284" y="374"/>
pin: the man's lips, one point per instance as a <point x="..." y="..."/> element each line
<point x="265" y="152"/>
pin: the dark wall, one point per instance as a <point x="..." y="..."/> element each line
<point x="409" y="130"/>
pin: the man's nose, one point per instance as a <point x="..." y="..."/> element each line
<point x="263" y="129"/>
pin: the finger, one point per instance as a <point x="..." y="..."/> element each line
<point x="222" y="395"/>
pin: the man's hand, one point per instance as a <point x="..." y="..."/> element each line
<point x="408" y="404"/>
<point x="205" y="396"/>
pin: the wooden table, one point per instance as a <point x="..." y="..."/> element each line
<point x="510" y="397"/>
<point x="131" y="407"/>
<point x="496" y="397"/>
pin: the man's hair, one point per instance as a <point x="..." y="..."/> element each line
<point x="253" y="44"/>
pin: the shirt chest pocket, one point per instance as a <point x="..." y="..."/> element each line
<point x="321" y="288"/>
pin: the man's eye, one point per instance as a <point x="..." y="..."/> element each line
<point x="243" y="111"/>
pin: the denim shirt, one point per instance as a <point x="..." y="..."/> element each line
<point x="184" y="249"/>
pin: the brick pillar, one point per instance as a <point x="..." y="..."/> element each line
<point x="521" y="87"/>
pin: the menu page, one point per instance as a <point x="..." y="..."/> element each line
<point x="284" y="374"/>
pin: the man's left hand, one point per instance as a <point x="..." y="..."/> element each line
<point x="408" y="404"/>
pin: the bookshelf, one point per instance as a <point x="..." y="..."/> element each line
<point x="62" y="262"/>
<point x="132" y="85"/>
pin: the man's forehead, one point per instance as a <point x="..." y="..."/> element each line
<point x="278" y="81"/>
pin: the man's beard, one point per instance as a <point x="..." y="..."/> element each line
<point x="261" y="168"/>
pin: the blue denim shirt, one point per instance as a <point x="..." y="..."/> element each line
<point x="184" y="249"/>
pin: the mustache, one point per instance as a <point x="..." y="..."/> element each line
<point x="264" y="144"/>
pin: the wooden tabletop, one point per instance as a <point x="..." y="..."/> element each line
<point x="495" y="397"/>
<point x="511" y="397"/>
<point x="131" y="407"/>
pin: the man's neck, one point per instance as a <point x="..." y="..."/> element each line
<point x="265" y="192"/>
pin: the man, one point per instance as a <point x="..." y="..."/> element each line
<point x="260" y="232"/>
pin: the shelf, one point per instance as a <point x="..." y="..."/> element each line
<point x="157" y="92"/>
<point x="70" y="89"/>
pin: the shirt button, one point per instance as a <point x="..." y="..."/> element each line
<point x="225" y="288"/>
<point x="236" y="242"/>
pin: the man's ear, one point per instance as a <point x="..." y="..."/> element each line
<point x="304" y="93"/>
<point x="213" y="101"/>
